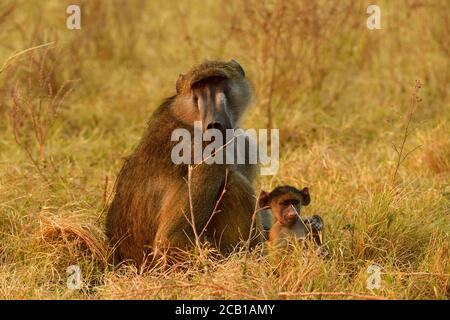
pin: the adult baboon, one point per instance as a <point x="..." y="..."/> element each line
<point x="151" y="208"/>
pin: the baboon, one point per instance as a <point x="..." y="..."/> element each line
<point x="151" y="209"/>
<point x="284" y="204"/>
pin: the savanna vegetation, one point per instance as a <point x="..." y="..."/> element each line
<point x="363" y="118"/>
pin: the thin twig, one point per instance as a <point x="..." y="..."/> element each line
<point x="418" y="274"/>
<point x="274" y="67"/>
<point x="188" y="285"/>
<point x="32" y="116"/>
<point x="105" y="205"/>
<point x="217" y="203"/>
<point x="218" y="149"/>
<point x="10" y="59"/>
<point x="191" y="207"/>
<point x="252" y="225"/>
<point x="400" y="156"/>
<point x="105" y="190"/>
<point x="333" y="294"/>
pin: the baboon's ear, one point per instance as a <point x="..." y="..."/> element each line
<point x="235" y="64"/>
<point x="179" y="84"/>
<point x="305" y="195"/>
<point x="263" y="200"/>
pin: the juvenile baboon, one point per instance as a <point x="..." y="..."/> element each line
<point x="151" y="209"/>
<point x="284" y="204"/>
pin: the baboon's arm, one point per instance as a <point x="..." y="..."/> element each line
<point x="267" y="221"/>
<point x="316" y="222"/>
<point x="206" y="184"/>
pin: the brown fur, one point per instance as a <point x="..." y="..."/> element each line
<point x="151" y="205"/>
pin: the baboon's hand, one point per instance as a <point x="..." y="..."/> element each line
<point x="316" y="222"/>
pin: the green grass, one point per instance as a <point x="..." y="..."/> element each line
<point x="340" y="96"/>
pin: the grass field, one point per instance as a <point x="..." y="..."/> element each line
<point x="364" y="119"/>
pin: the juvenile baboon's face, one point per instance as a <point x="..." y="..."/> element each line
<point x="287" y="208"/>
<point x="285" y="203"/>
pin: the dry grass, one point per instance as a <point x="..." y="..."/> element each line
<point x="87" y="237"/>
<point x="340" y="94"/>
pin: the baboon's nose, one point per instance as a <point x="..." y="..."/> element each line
<point x="291" y="214"/>
<point x="215" y="125"/>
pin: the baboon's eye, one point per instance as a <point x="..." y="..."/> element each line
<point x="289" y="202"/>
<point x="286" y="203"/>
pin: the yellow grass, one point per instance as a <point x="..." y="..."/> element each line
<point x="339" y="93"/>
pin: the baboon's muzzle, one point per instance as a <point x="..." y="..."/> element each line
<point x="219" y="123"/>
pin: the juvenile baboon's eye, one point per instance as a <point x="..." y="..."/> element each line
<point x="289" y="202"/>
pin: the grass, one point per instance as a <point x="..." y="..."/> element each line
<point x="339" y="93"/>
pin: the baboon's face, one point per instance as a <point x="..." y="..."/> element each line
<point x="287" y="209"/>
<point x="215" y="93"/>
<point x="219" y="102"/>
<point x="285" y="203"/>
<point x="211" y="103"/>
